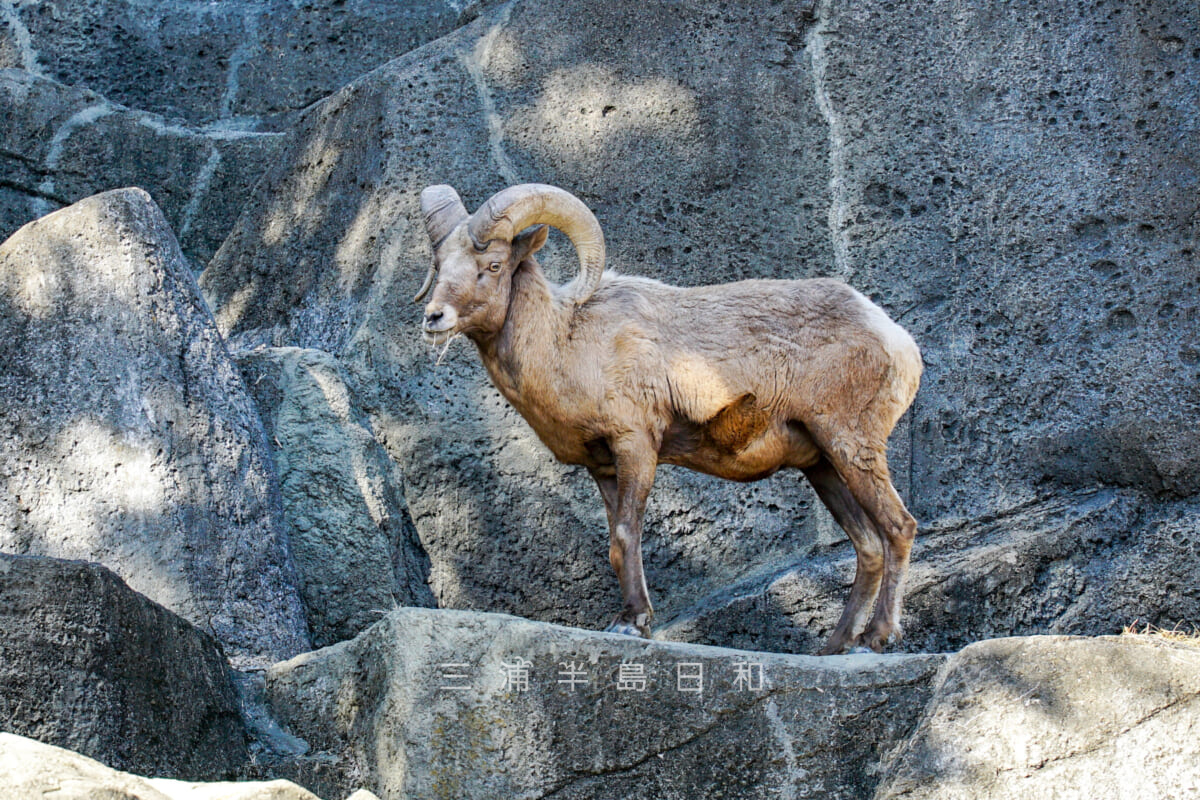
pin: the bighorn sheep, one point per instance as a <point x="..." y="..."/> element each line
<point x="622" y="373"/>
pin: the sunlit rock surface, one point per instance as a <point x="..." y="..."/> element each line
<point x="126" y="434"/>
<point x="30" y="770"/>
<point x="88" y="664"/>
<point x="431" y="703"/>
<point x="356" y="552"/>
<point x="1012" y="719"/>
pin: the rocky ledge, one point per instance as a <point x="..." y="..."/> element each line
<point x="431" y="703"/>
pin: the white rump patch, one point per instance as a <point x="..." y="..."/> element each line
<point x="897" y="340"/>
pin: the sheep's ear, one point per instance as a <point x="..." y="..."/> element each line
<point x="529" y="242"/>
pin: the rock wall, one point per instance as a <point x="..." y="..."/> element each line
<point x="1019" y="186"/>
<point x="243" y="61"/>
<point x="61" y="144"/>
<point x="126" y="434"/>
<point x="187" y="101"/>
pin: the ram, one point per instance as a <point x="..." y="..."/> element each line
<point x="620" y="374"/>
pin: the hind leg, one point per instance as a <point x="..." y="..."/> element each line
<point x="868" y="545"/>
<point x="866" y="476"/>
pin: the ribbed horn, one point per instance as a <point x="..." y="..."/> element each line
<point x="516" y="208"/>
<point x="443" y="212"/>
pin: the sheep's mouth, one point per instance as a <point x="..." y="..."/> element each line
<point x="439" y="333"/>
<point x="437" y="338"/>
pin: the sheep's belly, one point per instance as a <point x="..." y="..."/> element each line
<point x="781" y="445"/>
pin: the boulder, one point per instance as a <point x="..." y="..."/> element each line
<point x="200" y="61"/>
<point x="31" y="770"/>
<point x="1057" y="717"/>
<point x="1025" y="206"/>
<point x="1080" y="563"/>
<point x="126" y="434"/>
<point x="437" y="703"/>
<point x="88" y="664"/>
<point x="61" y="144"/>
<point x="356" y="551"/>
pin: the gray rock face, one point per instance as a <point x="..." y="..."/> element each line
<point x="1028" y="208"/>
<point x="355" y="548"/>
<point x="201" y="61"/>
<point x="1079" y="563"/>
<point x="88" y="664"/>
<point x="1056" y="717"/>
<point x="421" y="705"/>
<point x="31" y="770"/>
<point x="126" y="434"/>
<point x="529" y="93"/>
<point x="1025" y="207"/>
<point x="59" y="145"/>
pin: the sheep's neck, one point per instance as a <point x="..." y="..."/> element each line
<point x="523" y="354"/>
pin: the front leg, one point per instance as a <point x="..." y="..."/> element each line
<point x="625" y="494"/>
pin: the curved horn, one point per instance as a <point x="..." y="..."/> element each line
<point x="443" y="212"/>
<point x="514" y="209"/>
<point x="429" y="276"/>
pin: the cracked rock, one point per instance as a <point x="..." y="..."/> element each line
<point x="59" y="144"/>
<point x="201" y="61"/>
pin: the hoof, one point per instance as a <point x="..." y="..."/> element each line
<point x="880" y="636"/>
<point x="640" y="626"/>
<point x="623" y="628"/>
<point x="860" y="649"/>
<point x="837" y="646"/>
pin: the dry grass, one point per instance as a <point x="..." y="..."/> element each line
<point x="1188" y="634"/>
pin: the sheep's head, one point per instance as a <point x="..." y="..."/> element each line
<point x="474" y="257"/>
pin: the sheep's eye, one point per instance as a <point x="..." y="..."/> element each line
<point x="494" y="266"/>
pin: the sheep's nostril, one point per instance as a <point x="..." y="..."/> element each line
<point x="441" y="319"/>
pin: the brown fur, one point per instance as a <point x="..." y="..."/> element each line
<point x="737" y="380"/>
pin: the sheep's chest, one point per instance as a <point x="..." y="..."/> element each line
<point x="558" y="424"/>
